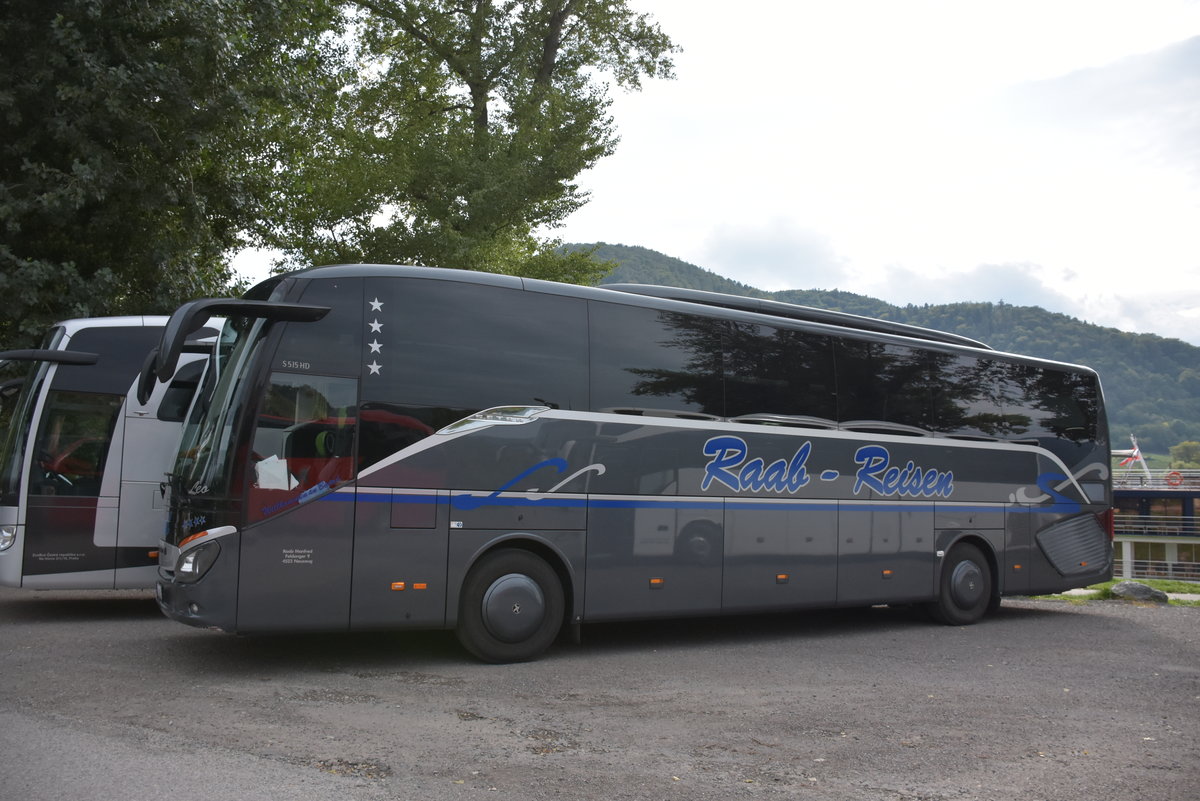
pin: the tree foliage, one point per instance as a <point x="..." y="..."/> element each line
<point x="1186" y="455"/>
<point x="466" y="132"/>
<point x="141" y="142"/>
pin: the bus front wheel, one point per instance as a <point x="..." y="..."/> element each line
<point x="511" y="607"/>
<point x="966" y="588"/>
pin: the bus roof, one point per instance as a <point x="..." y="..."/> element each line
<point x="670" y="298"/>
<point x="793" y="311"/>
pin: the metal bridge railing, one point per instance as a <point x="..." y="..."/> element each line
<point x="1127" y="525"/>
<point x="1147" y="568"/>
<point x="1136" y="478"/>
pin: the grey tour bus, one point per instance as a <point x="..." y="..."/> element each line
<point x="83" y="461"/>
<point x="403" y="447"/>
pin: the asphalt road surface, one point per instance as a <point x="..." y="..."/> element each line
<point x="101" y="698"/>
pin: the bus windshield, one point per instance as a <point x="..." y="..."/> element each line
<point x="205" y="449"/>
<point x="20" y="422"/>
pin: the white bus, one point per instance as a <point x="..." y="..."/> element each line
<point x="83" y="461"/>
<point x="405" y="447"/>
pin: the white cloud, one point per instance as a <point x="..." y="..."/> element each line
<point x="774" y="256"/>
<point x="900" y="149"/>
<point x="1015" y="284"/>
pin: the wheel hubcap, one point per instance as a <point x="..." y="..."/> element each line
<point x="966" y="584"/>
<point x="513" y="607"/>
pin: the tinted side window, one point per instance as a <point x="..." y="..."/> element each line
<point x="651" y="361"/>
<point x="971" y="398"/>
<point x="1062" y="408"/>
<point x="778" y="371"/>
<point x="885" y="382"/>
<point x="121" y="351"/>
<point x="438" y="351"/>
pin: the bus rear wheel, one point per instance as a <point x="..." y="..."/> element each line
<point x="511" y="607"/>
<point x="966" y="587"/>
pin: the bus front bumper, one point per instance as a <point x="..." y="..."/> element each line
<point x="209" y="601"/>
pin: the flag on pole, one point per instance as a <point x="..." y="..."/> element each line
<point x="1136" y="456"/>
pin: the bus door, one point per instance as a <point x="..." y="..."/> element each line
<point x="400" y="529"/>
<point x="297" y="544"/>
<point x="144" y="445"/>
<point x="69" y="524"/>
<point x="401" y="538"/>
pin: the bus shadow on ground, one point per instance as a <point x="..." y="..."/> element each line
<point x="808" y="626"/>
<point x="747" y="629"/>
<point x="358" y="653"/>
<point x="65" y="606"/>
<point x="386" y="652"/>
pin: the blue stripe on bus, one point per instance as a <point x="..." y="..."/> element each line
<point x="766" y="504"/>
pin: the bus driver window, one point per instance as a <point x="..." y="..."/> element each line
<point x="303" y="441"/>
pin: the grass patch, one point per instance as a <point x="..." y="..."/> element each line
<point x="1158" y="584"/>
<point x="1103" y="591"/>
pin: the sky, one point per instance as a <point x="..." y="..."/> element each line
<point x="1041" y="152"/>
<point x="1036" y="153"/>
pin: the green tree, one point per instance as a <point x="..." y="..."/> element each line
<point x="142" y="142"/>
<point x="1185" y="454"/>
<point x="1189" y="381"/>
<point x="467" y="131"/>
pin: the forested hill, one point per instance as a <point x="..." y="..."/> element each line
<point x="1151" y="384"/>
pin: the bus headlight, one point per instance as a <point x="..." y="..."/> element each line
<point x="193" y="564"/>
<point x="8" y="535"/>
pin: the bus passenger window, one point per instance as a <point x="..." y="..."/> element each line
<point x="303" y="442"/>
<point x="386" y="428"/>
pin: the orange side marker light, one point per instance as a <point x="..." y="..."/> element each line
<point x="195" y="536"/>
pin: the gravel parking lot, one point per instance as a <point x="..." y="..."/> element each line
<point x="101" y="698"/>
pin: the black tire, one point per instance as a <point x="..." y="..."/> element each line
<point x="966" y="587"/>
<point x="511" y="607"/>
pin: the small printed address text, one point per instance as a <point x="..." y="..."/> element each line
<point x="297" y="556"/>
